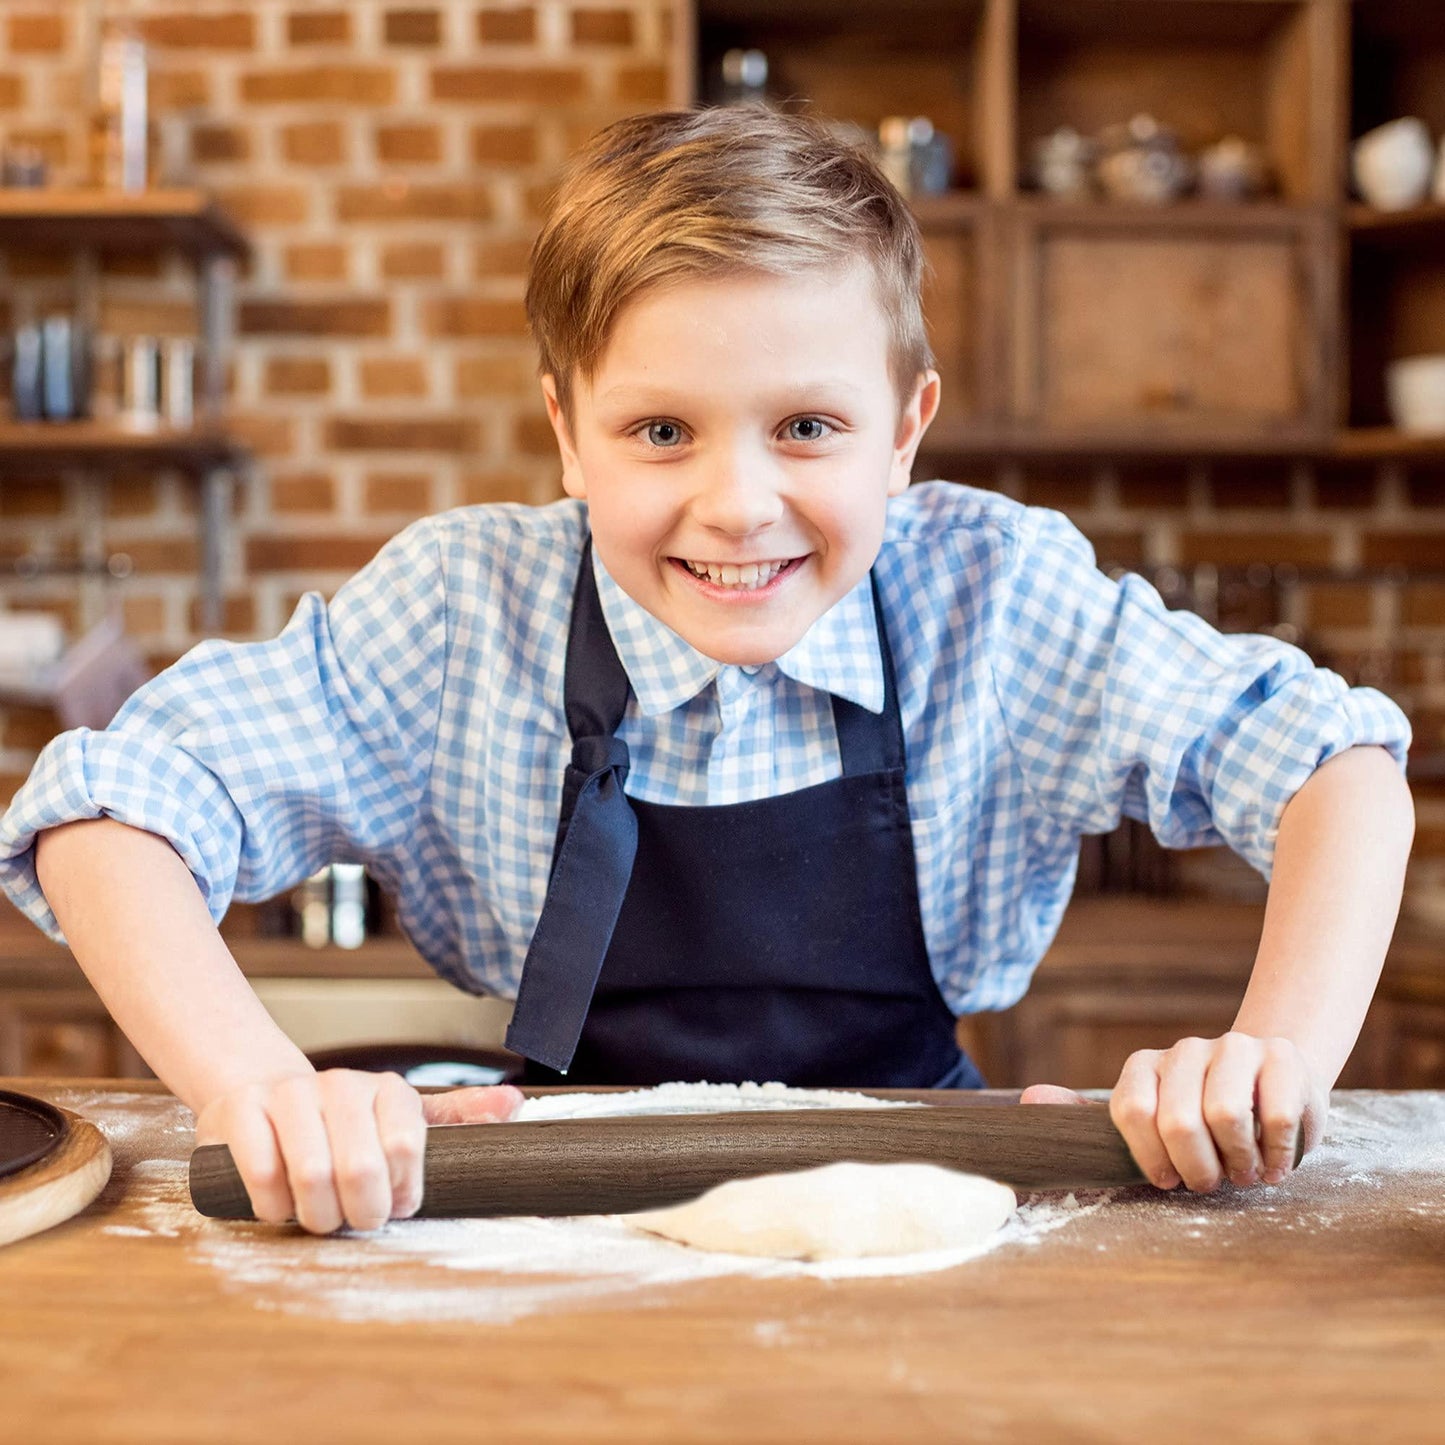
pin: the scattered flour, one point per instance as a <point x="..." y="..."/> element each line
<point x="496" y="1270"/>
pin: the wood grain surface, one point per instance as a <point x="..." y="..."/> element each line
<point x="611" y="1166"/>
<point x="57" y="1186"/>
<point x="1312" y="1312"/>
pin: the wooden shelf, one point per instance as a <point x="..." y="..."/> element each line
<point x="25" y="445"/>
<point x="1419" y="225"/>
<point x="185" y="220"/>
<point x="1385" y="443"/>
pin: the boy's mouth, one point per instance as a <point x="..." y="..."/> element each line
<point x="751" y="577"/>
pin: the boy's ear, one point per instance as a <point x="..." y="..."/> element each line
<point x="573" y="482"/>
<point x="919" y="411"/>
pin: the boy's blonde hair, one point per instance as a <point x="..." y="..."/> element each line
<point x="692" y="193"/>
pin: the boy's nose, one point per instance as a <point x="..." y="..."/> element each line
<point x="738" y="492"/>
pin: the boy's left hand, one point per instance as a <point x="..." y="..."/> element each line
<point x="1210" y="1109"/>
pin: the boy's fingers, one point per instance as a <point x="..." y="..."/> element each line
<point x="295" y="1110"/>
<point x="1283" y="1096"/>
<point x="1229" y="1089"/>
<point x="1180" y="1119"/>
<point x="401" y="1126"/>
<point x="1050" y="1094"/>
<point x="253" y="1146"/>
<point x="476" y="1104"/>
<point x="359" y="1168"/>
<point x="1133" y="1105"/>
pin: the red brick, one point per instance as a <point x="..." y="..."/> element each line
<point x="602" y="27"/>
<point x="26" y="728"/>
<point x="1338" y="604"/>
<point x="177" y="89"/>
<point x="414" y="261"/>
<point x="484" y="488"/>
<point x="1403" y="549"/>
<point x="303" y="492"/>
<point x="131" y="495"/>
<point x="487" y="376"/>
<point x="507" y="27"/>
<point x="335" y="84"/>
<point x="338" y="317"/>
<point x="1422" y="604"/>
<point x="266" y="205"/>
<point x="1115" y="548"/>
<point x="160" y="554"/>
<point x="314" y="143"/>
<point x="642" y="84"/>
<point x="31" y="497"/>
<point x="144" y="613"/>
<point x="1250" y="484"/>
<point x="474" y="316"/>
<point x="401" y="144"/>
<point x="319" y="27"/>
<point x="12" y="92"/>
<point x="36" y="32"/>
<point x="227" y="30"/>
<point x="383" y="376"/>
<point x="534" y="84"/>
<point x="238" y="619"/>
<point x="217" y="144"/>
<point x="500" y="257"/>
<point x="398" y="492"/>
<point x="267" y="434"/>
<point x="269" y="552"/>
<point x="297" y="376"/>
<point x="532" y="435"/>
<point x="138" y="315"/>
<point x="54" y="145"/>
<point x="411" y="201"/>
<point x="1233" y="549"/>
<point x="403" y="434"/>
<point x="317" y="261"/>
<point x="505" y="145"/>
<point x="412" y="27"/>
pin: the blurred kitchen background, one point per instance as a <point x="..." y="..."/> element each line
<point x="261" y="275"/>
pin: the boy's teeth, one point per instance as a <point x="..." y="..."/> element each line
<point x="748" y="577"/>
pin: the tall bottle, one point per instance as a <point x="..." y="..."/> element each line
<point x="119" y="132"/>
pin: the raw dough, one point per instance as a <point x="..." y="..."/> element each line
<point x="839" y="1211"/>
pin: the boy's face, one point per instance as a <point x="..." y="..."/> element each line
<point x="737" y="447"/>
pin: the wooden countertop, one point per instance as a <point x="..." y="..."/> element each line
<point x="1312" y="1312"/>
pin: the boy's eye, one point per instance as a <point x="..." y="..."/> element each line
<point x="664" y="434"/>
<point x="819" y="428"/>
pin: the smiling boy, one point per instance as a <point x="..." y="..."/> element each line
<point x="748" y="760"/>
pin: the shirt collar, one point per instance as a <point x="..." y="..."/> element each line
<point x="838" y="654"/>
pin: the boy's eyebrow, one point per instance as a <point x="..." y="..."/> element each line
<point x="646" y="395"/>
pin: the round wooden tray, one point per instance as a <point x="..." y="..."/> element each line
<point x="57" y="1163"/>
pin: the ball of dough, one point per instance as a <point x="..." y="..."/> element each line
<point x="839" y="1211"/>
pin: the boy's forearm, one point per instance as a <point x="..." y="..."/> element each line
<point x="1339" y="868"/>
<point x="137" y="924"/>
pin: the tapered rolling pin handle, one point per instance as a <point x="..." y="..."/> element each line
<point x="614" y="1165"/>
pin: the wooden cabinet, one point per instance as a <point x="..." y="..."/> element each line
<point x="1105" y="328"/>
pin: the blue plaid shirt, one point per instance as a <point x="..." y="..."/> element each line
<point x="415" y="724"/>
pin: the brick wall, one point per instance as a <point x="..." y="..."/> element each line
<point x="390" y="164"/>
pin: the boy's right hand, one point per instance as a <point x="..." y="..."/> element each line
<point x="341" y="1146"/>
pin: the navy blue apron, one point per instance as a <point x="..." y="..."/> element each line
<point x="777" y="939"/>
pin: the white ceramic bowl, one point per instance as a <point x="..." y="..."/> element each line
<point x="1392" y="164"/>
<point x="1415" y="389"/>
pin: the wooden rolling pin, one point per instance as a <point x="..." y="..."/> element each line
<point x="614" y="1165"/>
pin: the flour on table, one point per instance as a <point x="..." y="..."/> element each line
<point x="497" y="1270"/>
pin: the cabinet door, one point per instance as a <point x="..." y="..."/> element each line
<point x="1130" y="322"/>
<point x="63" y="1034"/>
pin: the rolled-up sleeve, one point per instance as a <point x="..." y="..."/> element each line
<point x="1116" y="706"/>
<point x="261" y="762"/>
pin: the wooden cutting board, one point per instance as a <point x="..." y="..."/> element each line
<point x="58" y="1163"/>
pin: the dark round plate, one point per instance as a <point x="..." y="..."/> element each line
<point x="29" y="1130"/>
